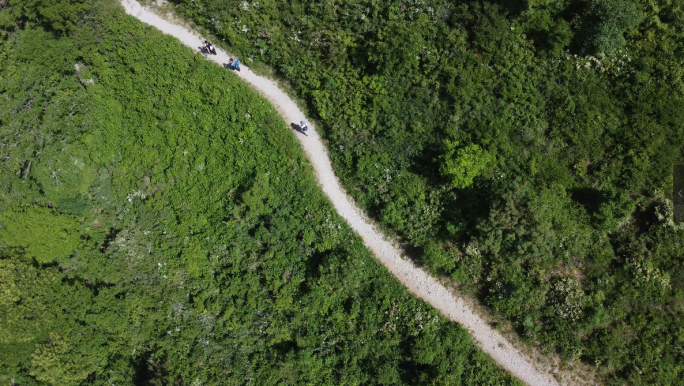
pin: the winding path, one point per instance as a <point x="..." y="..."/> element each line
<point x="419" y="282"/>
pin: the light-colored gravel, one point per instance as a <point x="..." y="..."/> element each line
<point x="419" y="282"/>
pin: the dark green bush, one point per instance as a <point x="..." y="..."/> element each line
<point x="606" y="22"/>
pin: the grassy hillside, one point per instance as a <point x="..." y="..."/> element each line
<point x="523" y="148"/>
<point x="160" y="226"/>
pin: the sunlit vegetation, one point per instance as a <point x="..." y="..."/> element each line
<point x="523" y="148"/>
<point x="159" y="225"/>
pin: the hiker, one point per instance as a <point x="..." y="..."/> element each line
<point x="234" y="64"/>
<point x="209" y="47"/>
<point x="302" y="126"/>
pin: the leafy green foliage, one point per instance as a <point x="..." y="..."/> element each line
<point x="580" y="104"/>
<point x="55" y="363"/>
<point x="607" y="21"/>
<point x="462" y="165"/>
<point x="43" y="235"/>
<point x="170" y="231"/>
<point x="59" y="15"/>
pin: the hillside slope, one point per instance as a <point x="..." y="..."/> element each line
<point x="521" y="149"/>
<point x="414" y="278"/>
<point x="159" y="225"/>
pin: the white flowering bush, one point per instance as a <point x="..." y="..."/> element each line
<point x="646" y="274"/>
<point x="664" y="212"/>
<point x="567" y="298"/>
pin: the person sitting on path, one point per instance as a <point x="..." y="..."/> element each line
<point x="235" y="64"/>
<point x="210" y="48"/>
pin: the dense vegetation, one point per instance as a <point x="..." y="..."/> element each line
<point x="524" y="148"/>
<point x="160" y="226"/>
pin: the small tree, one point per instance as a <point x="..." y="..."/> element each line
<point x="462" y="165"/>
<point x="55" y="362"/>
<point x="606" y="21"/>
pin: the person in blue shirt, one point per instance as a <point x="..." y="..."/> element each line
<point x="235" y="64"/>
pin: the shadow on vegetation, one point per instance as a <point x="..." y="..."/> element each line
<point x="577" y="44"/>
<point x="413" y="373"/>
<point x="591" y="199"/>
<point x="316" y="260"/>
<point x="645" y="218"/>
<point x="470" y="206"/>
<point x="149" y="372"/>
<point x="512" y="7"/>
<point x="285" y="347"/>
<point x="415" y="254"/>
<point x="111" y="236"/>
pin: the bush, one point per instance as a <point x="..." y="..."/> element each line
<point x="606" y="22"/>
<point x="462" y="165"/>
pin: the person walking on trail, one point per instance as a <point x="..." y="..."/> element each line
<point x="302" y="126"/>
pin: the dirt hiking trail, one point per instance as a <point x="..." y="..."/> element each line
<point x="419" y="282"/>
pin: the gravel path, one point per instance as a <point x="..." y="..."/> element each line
<point x="419" y="282"/>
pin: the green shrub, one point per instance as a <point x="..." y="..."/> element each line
<point x="607" y="21"/>
<point x="40" y="233"/>
<point x="463" y="164"/>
